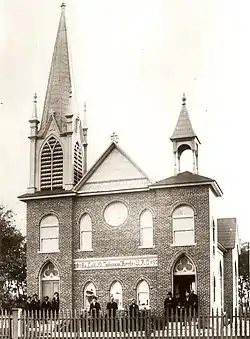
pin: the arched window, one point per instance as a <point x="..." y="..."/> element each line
<point x="214" y="237"/>
<point x="88" y="293"/>
<point x="183" y="225"/>
<point x="85" y="233"/>
<point x="116" y="292"/>
<point x="51" y="165"/>
<point x="49" y="281"/>
<point x="146" y="229"/>
<point x="221" y="284"/>
<point x="77" y="163"/>
<point x="142" y="292"/>
<point x="49" y="234"/>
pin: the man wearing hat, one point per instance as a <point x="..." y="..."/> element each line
<point x="95" y="307"/>
<point x="168" y="305"/>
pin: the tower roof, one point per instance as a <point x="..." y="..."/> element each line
<point x="183" y="128"/>
<point x="57" y="99"/>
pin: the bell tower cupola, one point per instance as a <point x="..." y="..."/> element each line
<point x="184" y="138"/>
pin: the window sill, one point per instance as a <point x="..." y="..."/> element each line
<point x="90" y="250"/>
<point x="182" y="245"/>
<point x="153" y="246"/>
<point x="48" y="251"/>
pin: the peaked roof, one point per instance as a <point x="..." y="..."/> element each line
<point x="58" y="93"/>
<point x="227" y="232"/>
<point x="183" y="128"/>
<point x="102" y="158"/>
<point x="188" y="178"/>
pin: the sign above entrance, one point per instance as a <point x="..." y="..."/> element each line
<point x="115" y="262"/>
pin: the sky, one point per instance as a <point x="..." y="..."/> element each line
<point x="131" y="62"/>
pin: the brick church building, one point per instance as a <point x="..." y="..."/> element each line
<point x="109" y="230"/>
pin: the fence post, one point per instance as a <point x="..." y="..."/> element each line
<point x="14" y="325"/>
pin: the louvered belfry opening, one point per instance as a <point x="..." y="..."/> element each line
<point x="52" y="165"/>
<point x="78" y="163"/>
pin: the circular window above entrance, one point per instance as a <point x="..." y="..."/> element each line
<point x="115" y="214"/>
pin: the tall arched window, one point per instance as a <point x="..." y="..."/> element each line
<point x="142" y="293"/>
<point x="146" y="229"/>
<point x="49" y="234"/>
<point x="50" y="281"/>
<point x="183" y="225"/>
<point x="85" y="233"/>
<point x="116" y="292"/>
<point x="88" y="293"/>
<point x="214" y="236"/>
<point x="214" y="288"/>
<point x="51" y="165"/>
<point x="77" y="163"/>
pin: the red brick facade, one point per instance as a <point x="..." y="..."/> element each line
<point x="121" y="241"/>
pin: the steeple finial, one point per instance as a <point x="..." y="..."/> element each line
<point x="34" y="113"/>
<point x="114" y="137"/>
<point x="84" y="118"/>
<point x="184" y="99"/>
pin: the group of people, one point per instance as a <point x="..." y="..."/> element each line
<point x="111" y="308"/>
<point x="187" y="303"/>
<point x="47" y="308"/>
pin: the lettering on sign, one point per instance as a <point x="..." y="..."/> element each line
<point x="115" y="262"/>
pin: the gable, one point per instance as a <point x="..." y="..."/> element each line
<point x="115" y="172"/>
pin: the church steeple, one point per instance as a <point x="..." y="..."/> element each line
<point x="59" y="147"/>
<point x="184" y="138"/>
<point x="59" y="86"/>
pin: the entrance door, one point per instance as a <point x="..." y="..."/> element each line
<point x="50" y="281"/>
<point x="184" y="277"/>
<point x="49" y="288"/>
<point x="183" y="283"/>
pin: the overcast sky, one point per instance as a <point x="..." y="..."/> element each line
<point x="132" y="60"/>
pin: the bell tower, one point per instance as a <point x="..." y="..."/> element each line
<point x="184" y="138"/>
<point x="58" y="149"/>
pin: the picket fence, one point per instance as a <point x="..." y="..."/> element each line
<point x="76" y="324"/>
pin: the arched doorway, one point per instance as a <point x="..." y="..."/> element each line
<point x="49" y="281"/>
<point x="184" y="276"/>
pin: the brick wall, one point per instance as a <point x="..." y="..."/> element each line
<point x="36" y="210"/>
<point x="122" y="241"/>
<point x="228" y="282"/>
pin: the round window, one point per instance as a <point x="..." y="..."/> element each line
<point x="116" y="214"/>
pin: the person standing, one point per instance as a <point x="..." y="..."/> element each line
<point x="95" y="308"/>
<point x="112" y="307"/>
<point x="169" y="305"/>
<point x="55" y="305"/>
<point x="133" y="309"/>
<point x="46" y="307"/>
<point x="35" y="305"/>
<point x="28" y="307"/>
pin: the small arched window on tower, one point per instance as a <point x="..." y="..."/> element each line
<point x="183" y="225"/>
<point x="51" y="165"/>
<point x="49" y="234"/>
<point x="78" y="163"/>
<point x="85" y="233"/>
<point x="146" y="229"/>
<point x="142" y="292"/>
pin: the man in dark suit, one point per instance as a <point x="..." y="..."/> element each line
<point x="95" y="308"/>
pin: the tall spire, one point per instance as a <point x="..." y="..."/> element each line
<point x="58" y="93"/>
<point x="183" y="129"/>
